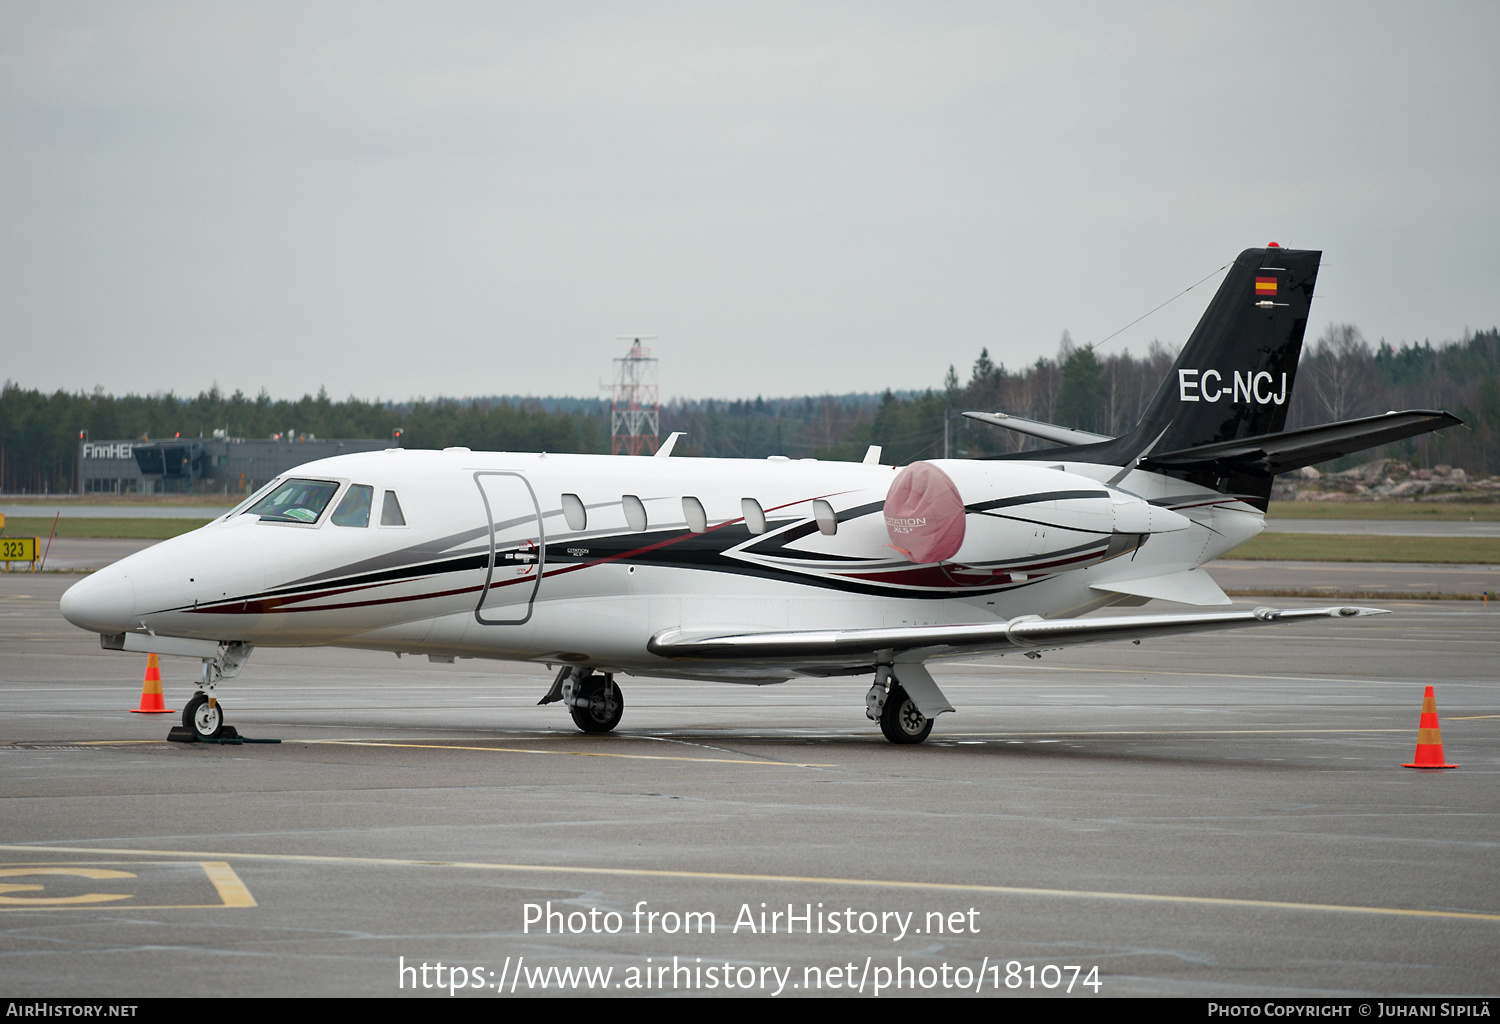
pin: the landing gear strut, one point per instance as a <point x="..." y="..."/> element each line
<point x="204" y="715"/>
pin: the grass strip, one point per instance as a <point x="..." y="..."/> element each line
<point x="135" y="529"/>
<point x="1325" y="547"/>
<point x="1419" y="511"/>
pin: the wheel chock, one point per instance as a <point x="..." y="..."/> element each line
<point x="228" y="736"/>
<point x="152" y="701"/>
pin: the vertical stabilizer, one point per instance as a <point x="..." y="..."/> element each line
<point x="1234" y="376"/>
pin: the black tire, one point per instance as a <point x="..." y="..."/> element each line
<point x="206" y="721"/>
<point x="901" y="721"/>
<point x="598" y="704"/>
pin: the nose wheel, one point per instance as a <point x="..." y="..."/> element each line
<point x="204" y="717"/>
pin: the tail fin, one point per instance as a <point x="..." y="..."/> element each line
<point x="1235" y="374"/>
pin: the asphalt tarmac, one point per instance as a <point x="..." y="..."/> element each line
<point x="1353" y="579"/>
<point x="1217" y="815"/>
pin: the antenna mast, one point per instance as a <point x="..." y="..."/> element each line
<point x="635" y="409"/>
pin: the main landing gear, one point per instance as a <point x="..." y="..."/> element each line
<point x="889" y="704"/>
<point x="593" y="699"/>
<point x="901" y="721"/>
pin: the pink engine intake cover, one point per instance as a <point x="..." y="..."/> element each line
<point x="924" y="514"/>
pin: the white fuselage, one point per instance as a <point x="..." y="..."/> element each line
<point x="487" y="564"/>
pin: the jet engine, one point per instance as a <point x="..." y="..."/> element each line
<point x="1015" y="518"/>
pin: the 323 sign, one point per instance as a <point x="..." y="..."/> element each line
<point x="18" y="549"/>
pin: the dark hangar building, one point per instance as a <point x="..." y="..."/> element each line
<point x="217" y="465"/>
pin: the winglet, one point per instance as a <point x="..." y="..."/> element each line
<point x="666" y="448"/>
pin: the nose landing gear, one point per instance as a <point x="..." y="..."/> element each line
<point x="204" y="716"/>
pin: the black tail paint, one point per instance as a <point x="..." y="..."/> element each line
<point x="1234" y="377"/>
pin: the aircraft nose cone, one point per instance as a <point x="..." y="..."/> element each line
<point x="103" y="603"/>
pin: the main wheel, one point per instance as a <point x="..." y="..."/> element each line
<point x="598" y="704"/>
<point x="900" y="719"/>
<point x="204" y="718"/>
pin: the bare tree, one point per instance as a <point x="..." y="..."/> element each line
<point x="1338" y="368"/>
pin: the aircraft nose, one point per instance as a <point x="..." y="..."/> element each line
<point x="103" y="603"/>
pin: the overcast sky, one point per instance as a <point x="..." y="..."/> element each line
<point x="455" y="199"/>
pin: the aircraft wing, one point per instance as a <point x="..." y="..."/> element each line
<point x="1293" y="449"/>
<point x="812" y="650"/>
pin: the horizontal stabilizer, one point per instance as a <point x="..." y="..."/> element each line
<point x="1046" y="431"/>
<point x="849" y="648"/>
<point x="1192" y="587"/>
<point x="1269" y="454"/>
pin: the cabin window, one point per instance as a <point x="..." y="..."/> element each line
<point x="635" y="512"/>
<point x="390" y="512"/>
<point x="574" y="512"/>
<point x="692" y="511"/>
<point x="296" y="501"/>
<point x="354" y="510"/>
<point x="755" y="516"/>
<point x="827" y="519"/>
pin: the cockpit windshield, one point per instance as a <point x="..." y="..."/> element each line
<point x="295" y="501"/>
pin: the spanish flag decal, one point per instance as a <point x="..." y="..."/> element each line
<point x="1265" y="286"/>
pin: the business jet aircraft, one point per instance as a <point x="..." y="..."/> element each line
<point x="760" y="571"/>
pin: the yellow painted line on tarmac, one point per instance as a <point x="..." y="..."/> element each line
<point x="231" y="890"/>
<point x="108" y="743"/>
<point x="566" y="753"/>
<point x="1466" y="718"/>
<point x="233" y="893"/>
<point x="726" y="876"/>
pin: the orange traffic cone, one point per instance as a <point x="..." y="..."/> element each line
<point x="1429" y="738"/>
<point x="152" y="702"/>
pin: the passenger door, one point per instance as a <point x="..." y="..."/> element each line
<point x="518" y="549"/>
